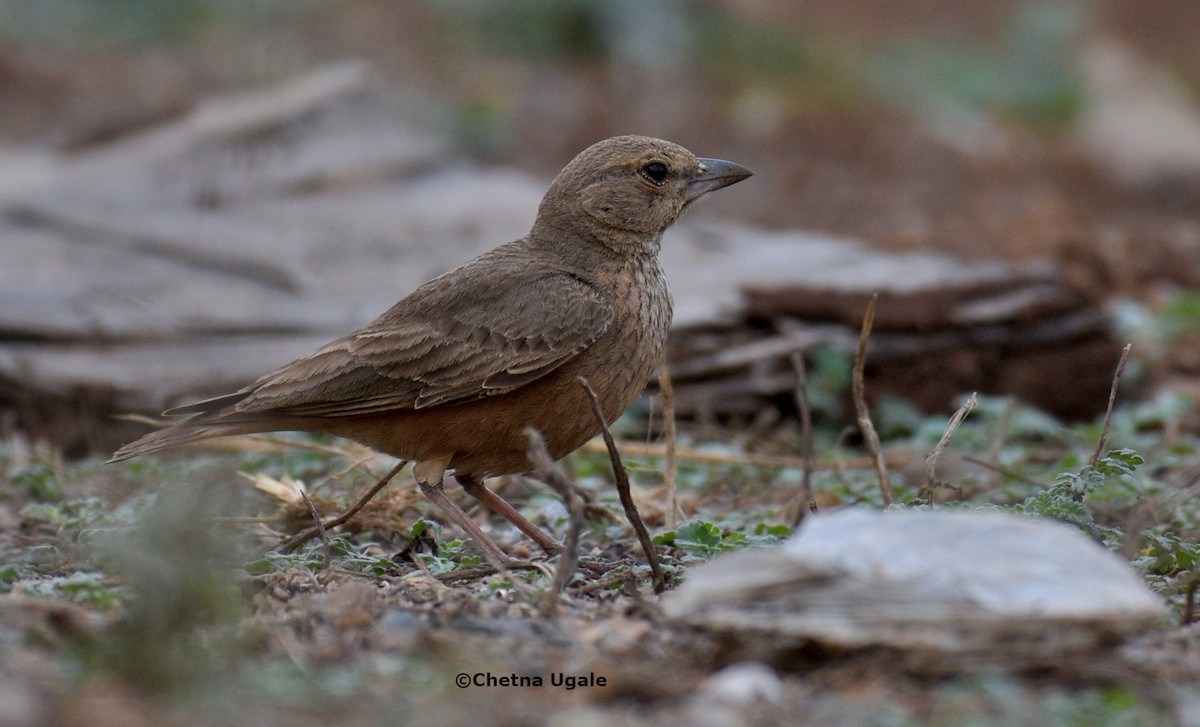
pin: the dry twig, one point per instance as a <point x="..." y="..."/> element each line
<point x="998" y="439"/>
<point x="1112" y="398"/>
<point x="804" y="504"/>
<point x="608" y="581"/>
<point x="622" y="478"/>
<point x="296" y="540"/>
<point x="316" y="516"/>
<point x="931" y="481"/>
<point x="544" y="470"/>
<point x="1002" y="470"/>
<point x="1189" y="602"/>
<point x="671" y="470"/>
<point x="839" y="463"/>
<point x="360" y="462"/>
<point x="686" y="454"/>
<point x="486" y="569"/>
<point x="858" y="388"/>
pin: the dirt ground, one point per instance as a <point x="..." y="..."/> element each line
<point x="802" y="96"/>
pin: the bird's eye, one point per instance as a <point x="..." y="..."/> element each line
<point x="656" y="172"/>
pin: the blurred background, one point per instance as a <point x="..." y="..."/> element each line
<point x="1001" y="130"/>
<point x="1005" y="127"/>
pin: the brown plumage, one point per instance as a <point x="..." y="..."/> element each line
<point x="452" y="375"/>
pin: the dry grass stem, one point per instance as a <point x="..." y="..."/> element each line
<point x="419" y="561"/>
<point x="359" y="463"/>
<point x="998" y="438"/>
<point x="326" y="552"/>
<point x="1112" y="399"/>
<point x="296" y="540"/>
<point x="1134" y="525"/>
<point x="671" y="470"/>
<point x="622" y="478"/>
<point x="931" y="480"/>
<point x="768" y="461"/>
<point x="485" y="569"/>
<point x="804" y="504"/>
<point x="156" y="422"/>
<point x="544" y="470"/>
<point x="605" y="582"/>
<point x="1189" y="603"/>
<point x="858" y="389"/>
<point x="839" y="462"/>
<point x="1002" y="470"/>
<point x="502" y="568"/>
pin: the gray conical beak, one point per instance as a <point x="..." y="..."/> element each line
<point x="715" y="174"/>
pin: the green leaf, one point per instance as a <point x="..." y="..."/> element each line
<point x="259" y="567"/>
<point x="1119" y="462"/>
<point x="778" y="531"/>
<point x="418" y="528"/>
<point x="9" y="574"/>
<point x="699" y="535"/>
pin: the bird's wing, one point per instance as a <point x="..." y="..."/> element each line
<point x="444" y="344"/>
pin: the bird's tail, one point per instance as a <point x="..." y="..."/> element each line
<point x="177" y="435"/>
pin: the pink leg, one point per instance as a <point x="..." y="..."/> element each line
<point x="498" y="505"/>
<point x="437" y="496"/>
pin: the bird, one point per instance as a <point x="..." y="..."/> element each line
<point x="451" y="376"/>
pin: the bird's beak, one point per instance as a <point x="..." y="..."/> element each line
<point x="714" y="174"/>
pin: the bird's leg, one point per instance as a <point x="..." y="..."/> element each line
<point x="500" y="506"/>
<point x="429" y="475"/>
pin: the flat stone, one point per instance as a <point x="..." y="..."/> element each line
<point x="986" y="585"/>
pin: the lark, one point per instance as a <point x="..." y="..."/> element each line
<point x="452" y="375"/>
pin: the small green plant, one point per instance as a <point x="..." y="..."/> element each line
<point x="699" y="536"/>
<point x="72" y="515"/>
<point x="40" y="480"/>
<point x="87" y="587"/>
<point x="705" y="539"/>
<point x="1065" y="499"/>
<point x="9" y="574"/>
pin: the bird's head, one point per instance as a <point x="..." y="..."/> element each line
<point x="628" y="189"/>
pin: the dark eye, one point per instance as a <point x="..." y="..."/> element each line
<point x="656" y="172"/>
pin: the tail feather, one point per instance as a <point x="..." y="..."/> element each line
<point x="177" y="435"/>
<point x="208" y="406"/>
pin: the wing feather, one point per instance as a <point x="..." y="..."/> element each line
<point x="442" y="345"/>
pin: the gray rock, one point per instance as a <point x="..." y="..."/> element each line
<point x="978" y="585"/>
